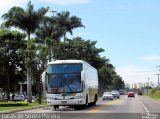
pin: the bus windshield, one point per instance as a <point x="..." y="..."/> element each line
<point x="64" y="68"/>
<point x="64" y="83"/>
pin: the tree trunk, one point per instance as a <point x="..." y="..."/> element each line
<point x="50" y="53"/>
<point x="29" y="82"/>
<point x="29" y="85"/>
<point x="8" y="87"/>
<point x="39" y="92"/>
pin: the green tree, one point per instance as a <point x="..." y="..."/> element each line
<point x="105" y="77"/>
<point x="117" y="82"/>
<point x="78" y="48"/>
<point x="67" y="23"/>
<point x="39" y="66"/>
<point x="49" y="29"/>
<point x="27" y="20"/>
<point x="12" y="66"/>
<point x="56" y="27"/>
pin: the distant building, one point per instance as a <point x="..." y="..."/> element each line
<point x="127" y="85"/>
<point x="134" y="85"/>
<point x="140" y="85"/>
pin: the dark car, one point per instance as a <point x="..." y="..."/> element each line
<point x="139" y="92"/>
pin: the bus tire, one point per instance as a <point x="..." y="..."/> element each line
<point x="86" y="104"/>
<point x="56" y="107"/>
<point x="95" y="100"/>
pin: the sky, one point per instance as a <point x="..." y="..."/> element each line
<point x="128" y="31"/>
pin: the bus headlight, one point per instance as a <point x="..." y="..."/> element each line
<point x="77" y="97"/>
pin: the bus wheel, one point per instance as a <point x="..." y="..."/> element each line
<point x="95" y="100"/>
<point x="86" y="100"/>
<point x="56" y="107"/>
<point x="86" y="104"/>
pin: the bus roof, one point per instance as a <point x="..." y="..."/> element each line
<point x="69" y="61"/>
<point x="66" y="61"/>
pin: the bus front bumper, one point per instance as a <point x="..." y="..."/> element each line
<point x="80" y="101"/>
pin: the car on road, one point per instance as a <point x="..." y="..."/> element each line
<point x="121" y="92"/>
<point x="131" y="94"/>
<point x="139" y="92"/>
<point x="115" y="93"/>
<point x="107" y="95"/>
<point x="19" y="98"/>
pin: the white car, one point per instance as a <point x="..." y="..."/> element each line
<point x="19" y="98"/>
<point x="115" y="93"/>
<point x="107" y="95"/>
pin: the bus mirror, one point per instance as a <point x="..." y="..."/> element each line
<point x="83" y="76"/>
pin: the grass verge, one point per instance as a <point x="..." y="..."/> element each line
<point x="154" y="94"/>
<point x="33" y="104"/>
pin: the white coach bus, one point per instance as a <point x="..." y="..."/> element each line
<point x="70" y="82"/>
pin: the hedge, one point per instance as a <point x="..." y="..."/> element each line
<point x="14" y="103"/>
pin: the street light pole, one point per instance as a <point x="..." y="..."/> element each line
<point x="158" y="76"/>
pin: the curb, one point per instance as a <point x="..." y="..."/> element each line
<point x="23" y="109"/>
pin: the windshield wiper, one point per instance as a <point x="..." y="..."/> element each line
<point x="65" y="82"/>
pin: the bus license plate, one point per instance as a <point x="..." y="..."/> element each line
<point x="64" y="102"/>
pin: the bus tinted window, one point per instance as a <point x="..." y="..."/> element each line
<point x="64" y="83"/>
<point x="64" y="68"/>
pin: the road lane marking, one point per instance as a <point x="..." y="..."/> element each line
<point x="147" y="115"/>
<point x="97" y="109"/>
<point x="106" y="104"/>
<point x="145" y="108"/>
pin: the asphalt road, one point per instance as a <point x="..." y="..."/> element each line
<point x="139" y="107"/>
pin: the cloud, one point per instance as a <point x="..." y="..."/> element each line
<point x="67" y="2"/>
<point x="7" y="4"/>
<point x="133" y="73"/>
<point x="151" y="58"/>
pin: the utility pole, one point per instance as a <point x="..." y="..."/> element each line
<point x="148" y="86"/>
<point x="158" y="81"/>
<point x="52" y="53"/>
<point x="158" y="76"/>
<point x="53" y="11"/>
<point x="148" y="81"/>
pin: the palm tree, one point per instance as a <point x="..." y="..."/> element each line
<point x="56" y="27"/>
<point x="27" y="20"/>
<point x="67" y="23"/>
<point x="49" y="34"/>
<point x="48" y="29"/>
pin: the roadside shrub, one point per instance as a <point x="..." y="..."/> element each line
<point x="14" y="104"/>
<point x="37" y="99"/>
<point x="154" y="93"/>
